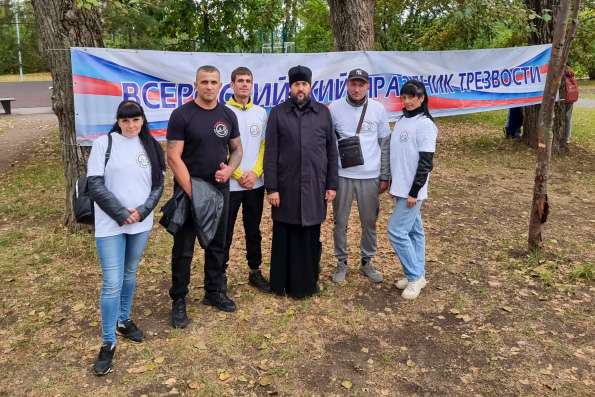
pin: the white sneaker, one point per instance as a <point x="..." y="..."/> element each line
<point x="414" y="288"/>
<point x="402" y="283"/>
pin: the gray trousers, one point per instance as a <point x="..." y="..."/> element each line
<point x="568" y="116"/>
<point x="365" y="192"/>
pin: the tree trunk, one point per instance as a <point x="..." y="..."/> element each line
<point x="542" y="34"/>
<point x="352" y="22"/>
<point x="564" y="27"/>
<point x="62" y="24"/>
<point x="559" y="145"/>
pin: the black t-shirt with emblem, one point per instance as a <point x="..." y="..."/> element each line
<point x="206" y="134"/>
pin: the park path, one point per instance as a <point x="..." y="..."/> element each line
<point x="19" y="134"/>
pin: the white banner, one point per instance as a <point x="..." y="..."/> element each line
<point x="457" y="82"/>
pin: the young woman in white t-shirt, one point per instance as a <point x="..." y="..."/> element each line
<point x="126" y="187"/>
<point x="412" y="146"/>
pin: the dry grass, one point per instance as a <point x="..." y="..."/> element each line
<point x="15" y="78"/>
<point x="493" y="321"/>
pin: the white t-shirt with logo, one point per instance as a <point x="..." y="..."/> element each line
<point x="410" y="136"/>
<point x="252" y="124"/>
<point x="127" y="175"/>
<point x="375" y="126"/>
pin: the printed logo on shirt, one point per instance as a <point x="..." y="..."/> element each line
<point x="368" y="126"/>
<point x="254" y="130"/>
<point x="142" y="160"/>
<point x="221" y="129"/>
<point x="404" y="137"/>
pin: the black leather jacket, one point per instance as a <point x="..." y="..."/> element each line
<point x="424" y="166"/>
<point x="112" y="206"/>
<point x="205" y="208"/>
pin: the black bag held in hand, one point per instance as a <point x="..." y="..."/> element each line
<point x="84" y="209"/>
<point x="350" y="149"/>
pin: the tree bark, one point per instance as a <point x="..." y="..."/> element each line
<point x="352" y="22"/>
<point x="564" y="27"/>
<point x="542" y="34"/>
<point x="62" y="24"/>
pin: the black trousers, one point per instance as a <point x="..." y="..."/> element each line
<point x="252" y="202"/>
<point x="183" y="251"/>
<point x="295" y="259"/>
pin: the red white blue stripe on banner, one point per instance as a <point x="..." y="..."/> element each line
<point x="457" y="82"/>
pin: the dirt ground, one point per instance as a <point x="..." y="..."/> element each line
<point x="494" y="320"/>
<point x="18" y="135"/>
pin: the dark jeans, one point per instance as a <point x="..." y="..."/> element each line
<point x="514" y="123"/>
<point x="183" y="250"/>
<point x="252" y="202"/>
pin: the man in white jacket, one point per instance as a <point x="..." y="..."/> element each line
<point x="363" y="182"/>
<point x="246" y="184"/>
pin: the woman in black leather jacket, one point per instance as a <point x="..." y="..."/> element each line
<point x="125" y="179"/>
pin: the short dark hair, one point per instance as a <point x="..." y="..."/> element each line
<point x="239" y="71"/>
<point x="208" y="69"/>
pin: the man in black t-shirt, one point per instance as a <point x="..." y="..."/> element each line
<point x="203" y="141"/>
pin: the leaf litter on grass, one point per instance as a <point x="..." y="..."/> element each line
<point x="355" y="334"/>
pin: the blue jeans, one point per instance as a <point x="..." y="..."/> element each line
<point x="119" y="256"/>
<point x="406" y="235"/>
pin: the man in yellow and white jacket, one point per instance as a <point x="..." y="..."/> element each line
<point x="247" y="185"/>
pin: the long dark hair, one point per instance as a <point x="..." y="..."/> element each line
<point x="417" y="89"/>
<point x="130" y="109"/>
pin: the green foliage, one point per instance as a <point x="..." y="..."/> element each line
<point x="187" y="25"/>
<point x="32" y="58"/>
<point x="582" y="56"/>
<point x="438" y="25"/>
<point x="585" y="271"/>
<point x="315" y="34"/>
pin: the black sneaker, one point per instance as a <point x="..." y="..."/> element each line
<point x="179" y="318"/>
<point x="129" y="330"/>
<point x="219" y="300"/>
<point x="103" y="364"/>
<point x="256" y="280"/>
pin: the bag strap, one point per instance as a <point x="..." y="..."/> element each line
<point x="361" y="118"/>
<point x="108" y="152"/>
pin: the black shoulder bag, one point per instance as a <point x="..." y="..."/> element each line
<point x="350" y="149"/>
<point x="84" y="209"/>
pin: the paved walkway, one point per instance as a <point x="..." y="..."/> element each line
<point x="585" y="103"/>
<point x="28" y="94"/>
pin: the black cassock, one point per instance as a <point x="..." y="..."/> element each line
<point x="300" y="163"/>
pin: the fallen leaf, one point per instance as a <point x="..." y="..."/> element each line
<point x="263" y="365"/>
<point x="170" y="382"/>
<point x="224" y="375"/>
<point x="410" y="363"/>
<point x="465" y="317"/>
<point x="159" y="360"/>
<point x="365" y="350"/>
<point x="141" y="369"/>
<point x="78" y="307"/>
<point x="200" y="345"/>
<point x="147" y="312"/>
<point x="265" y="381"/>
<point x="347" y="384"/>
<point x="194" y="385"/>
